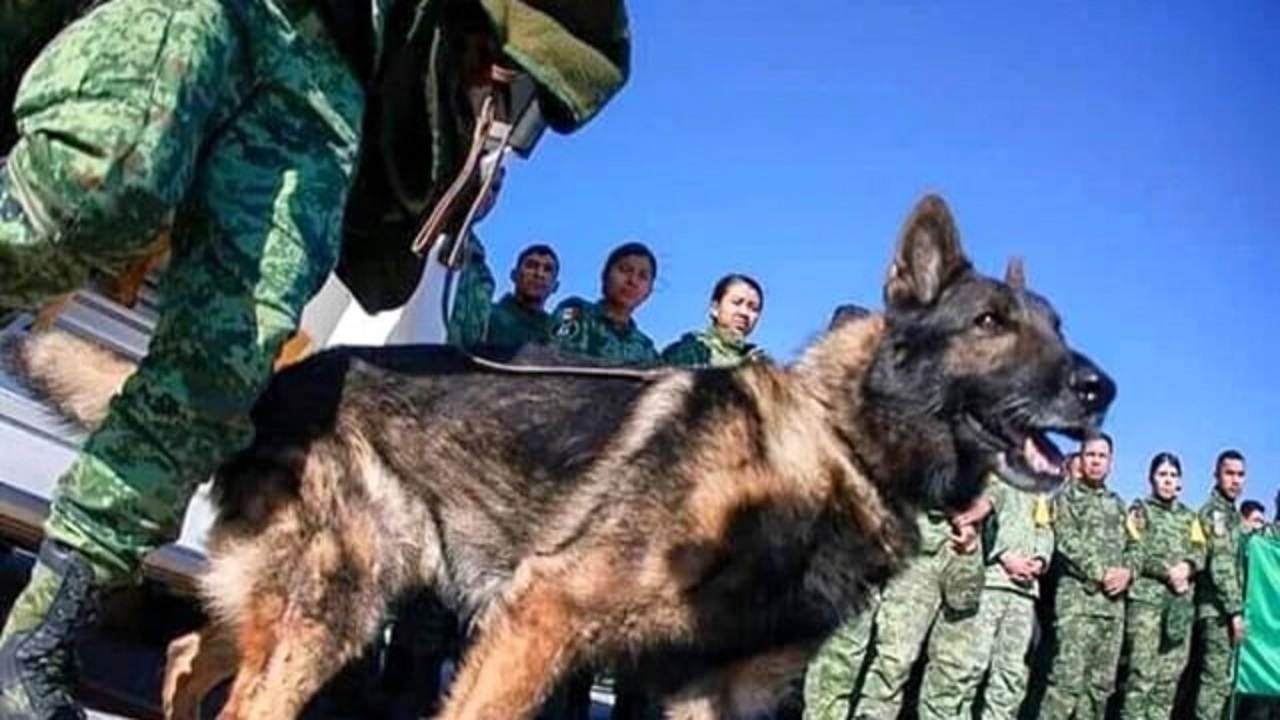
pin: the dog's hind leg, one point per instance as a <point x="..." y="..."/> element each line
<point x="307" y="624"/>
<point x="523" y="647"/>
<point x="196" y="663"/>
<point x="748" y="688"/>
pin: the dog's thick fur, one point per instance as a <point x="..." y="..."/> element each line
<point x="703" y="529"/>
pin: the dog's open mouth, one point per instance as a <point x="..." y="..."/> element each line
<point x="1038" y="454"/>
<point x="1026" y="457"/>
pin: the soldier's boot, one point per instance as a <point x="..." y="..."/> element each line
<point x="38" y="663"/>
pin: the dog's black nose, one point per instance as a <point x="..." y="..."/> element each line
<point x="1094" y="388"/>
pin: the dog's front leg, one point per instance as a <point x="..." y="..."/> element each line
<point x="521" y="650"/>
<point x="746" y="689"/>
<point x="195" y="664"/>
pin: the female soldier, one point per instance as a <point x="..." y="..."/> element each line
<point x="1168" y="549"/>
<point x="606" y="329"/>
<point x="736" y="303"/>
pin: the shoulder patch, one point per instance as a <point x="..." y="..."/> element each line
<point x="568" y="328"/>
<point x="1136" y="520"/>
<point x="1042" y="513"/>
<point x="1197" y="532"/>
<point x="568" y="320"/>
<point x="1218" y="522"/>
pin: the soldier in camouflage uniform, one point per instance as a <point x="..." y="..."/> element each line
<point x="1018" y="552"/>
<point x="606" y="329"/>
<point x="943" y="580"/>
<point x="736" y="303"/>
<point x="519" y="316"/>
<point x="1168" y="547"/>
<point x="1220" y="593"/>
<point x="1093" y="572"/>
<point x="236" y="127"/>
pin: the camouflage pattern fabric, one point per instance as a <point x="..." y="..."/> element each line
<point x="244" y="118"/>
<point x="1158" y="621"/>
<point x="1219" y="596"/>
<point x="582" y="327"/>
<point x="1220" y="591"/>
<point x="25" y="26"/>
<point x="469" y="316"/>
<point x="938" y="583"/>
<point x="994" y="642"/>
<point x="831" y="681"/>
<point x="513" y="324"/>
<point x="1217" y="658"/>
<point x="1089" y="525"/>
<point x="710" y="348"/>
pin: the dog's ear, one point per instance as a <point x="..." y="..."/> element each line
<point x="928" y="258"/>
<point x="1014" y="274"/>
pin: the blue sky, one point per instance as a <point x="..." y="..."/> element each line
<point x="1126" y="150"/>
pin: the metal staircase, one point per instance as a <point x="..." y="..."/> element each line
<point x="37" y="445"/>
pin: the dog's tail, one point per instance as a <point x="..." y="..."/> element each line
<point x="78" y="377"/>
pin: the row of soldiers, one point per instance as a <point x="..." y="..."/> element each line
<point x="1062" y="584"/>
<point x="604" y="328"/>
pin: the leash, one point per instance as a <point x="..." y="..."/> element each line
<point x="489" y="131"/>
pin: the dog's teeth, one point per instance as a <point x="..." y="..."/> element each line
<point x="1035" y="458"/>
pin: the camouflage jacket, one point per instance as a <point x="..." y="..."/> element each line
<point x="710" y="348"/>
<point x="469" y="316"/>
<point x="1022" y="523"/>
<point x="511" y="323"/>
<point x="1089" y="529"/>
<point x="582" y="327"/>
<point x="1219" y="590"/>
<point x="1161" y="535"/>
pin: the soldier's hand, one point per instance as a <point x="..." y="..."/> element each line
<point x="974" y="514"/>
<point x="964" y="539"/>
<point x="1179" y="577"/>
<point x="1237" y="629"/>
<point x="1116" y="580"/>
<point x="1018" y="567"/>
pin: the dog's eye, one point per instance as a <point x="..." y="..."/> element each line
<point x="989" y="321"/>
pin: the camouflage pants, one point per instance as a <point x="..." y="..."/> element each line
<point x="1217" y="654"/>
<point x="237" y="124"/>
<point x="831" y="680"/>
<point x="1082" y="676"/>
<point x="910" y="604"/>
<point x="992" y="642"/>
<point x="1155" y="664"/>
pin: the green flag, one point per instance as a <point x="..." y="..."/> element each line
<point x="1258" y="660"/>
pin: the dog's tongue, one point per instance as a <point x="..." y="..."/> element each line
<point x="1042" y="456"/>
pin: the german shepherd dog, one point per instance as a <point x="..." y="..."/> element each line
<point x="702" y="529"/>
